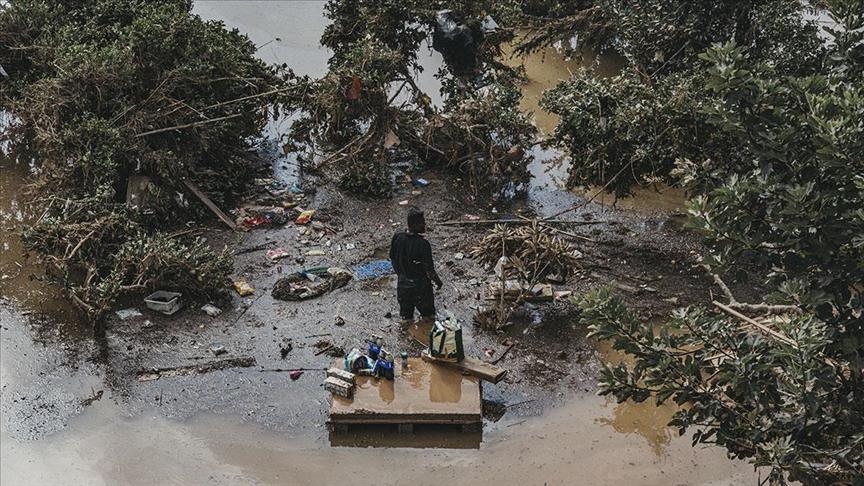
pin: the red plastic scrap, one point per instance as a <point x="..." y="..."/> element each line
<point x="295" y="374"/>
<point x="255" y="221"/>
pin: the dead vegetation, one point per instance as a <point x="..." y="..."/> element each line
<point x="109" y="92"/>
<point x="524" y="257"/>
<point x="533" y="251"/>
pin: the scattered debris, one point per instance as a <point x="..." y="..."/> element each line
<point x="373" y="269"/>
<point x="254" y="248"/>
<point x="339" y="321"/>
<point x="316" y="252"/>
<point x="339" y="387"/>
<point x="243" y="288"/>
<point x="165" y="302"/>
<point x="295" y="375"/>
<point x="311" y="283"/>
<point x="458" y="256"/>
<point x="277" y="253"/>
<point x="211" y="310"/>
<point x="124" y="314"/>
<point x="420" y="182"/>
<point x="217" y="349"/>
<point x="305" y="217"/>
<point x="286" y="347"/>
<point x="95" y="397"/>
<point x="156" y="373"/>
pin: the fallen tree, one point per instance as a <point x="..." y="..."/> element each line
<point x="109" y="91"/>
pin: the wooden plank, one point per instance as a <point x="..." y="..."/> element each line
<point x="422" y="393"/>
<point x="472" y="366"/>
<point x="210" y="205"/>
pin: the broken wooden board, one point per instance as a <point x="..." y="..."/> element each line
<point x="210" y="204"/>
<point x="421" y="394"/>
<point x="471" y="366"/>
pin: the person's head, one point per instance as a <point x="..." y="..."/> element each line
<point x="416" y="221"/>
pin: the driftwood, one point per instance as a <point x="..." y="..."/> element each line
<point x="221" y="364"/>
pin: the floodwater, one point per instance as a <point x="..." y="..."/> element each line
<point x="588" y="440"/>
<point x="21" y="278"/>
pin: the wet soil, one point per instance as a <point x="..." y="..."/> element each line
<point x="241" y="425"/>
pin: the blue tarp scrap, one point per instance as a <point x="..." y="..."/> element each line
<point x="373" y="269"/>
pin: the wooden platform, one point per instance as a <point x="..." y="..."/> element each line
<point x="425" y="393"/>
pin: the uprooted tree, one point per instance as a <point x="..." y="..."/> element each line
<point x="107" y="92"/>
<point x="368" y="111"/>
<point x="779" y="382"/>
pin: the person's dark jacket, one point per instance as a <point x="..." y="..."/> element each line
<point x="411" y="255"/>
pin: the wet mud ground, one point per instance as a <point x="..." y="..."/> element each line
<point x="56" y="376"/>
<point x="74" y="411"/>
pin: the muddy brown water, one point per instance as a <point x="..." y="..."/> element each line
<point x="585" y="440"/>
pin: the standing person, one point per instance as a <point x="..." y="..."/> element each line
<point x="411" y="255"/>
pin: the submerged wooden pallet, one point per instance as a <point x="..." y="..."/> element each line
<point x="422" y="394"/>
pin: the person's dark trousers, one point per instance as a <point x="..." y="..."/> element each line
<point x="420" y="298"/>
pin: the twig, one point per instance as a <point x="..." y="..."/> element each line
<point x="247" y="309"/>
<point x="765" y="329"/>
<point x="188" y="125"/>
<point x="324" y="350"/>
<point x="593" y="196"/>
<point x="244" y="98"/>
<point x="720" y="283"/>
<point x="262" y="246"/>
<point x="517" y="221"/>
<point x="733" y="302"/>
<point x="501" y="356"/>
<point x="565" y="233"/>
<point x="520" y="403"/>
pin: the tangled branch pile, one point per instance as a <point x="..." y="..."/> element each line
<point x="533" y="251"/>
<point x="108" y="90"/>
<point x="368" y="110"/>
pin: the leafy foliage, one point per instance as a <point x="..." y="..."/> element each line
<point x="621" y="130"/>
<point x="108" y="89"/>
<point x="783" y="196"/>
<point x="784" y="405"/>
<point x="629" y="129"/>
